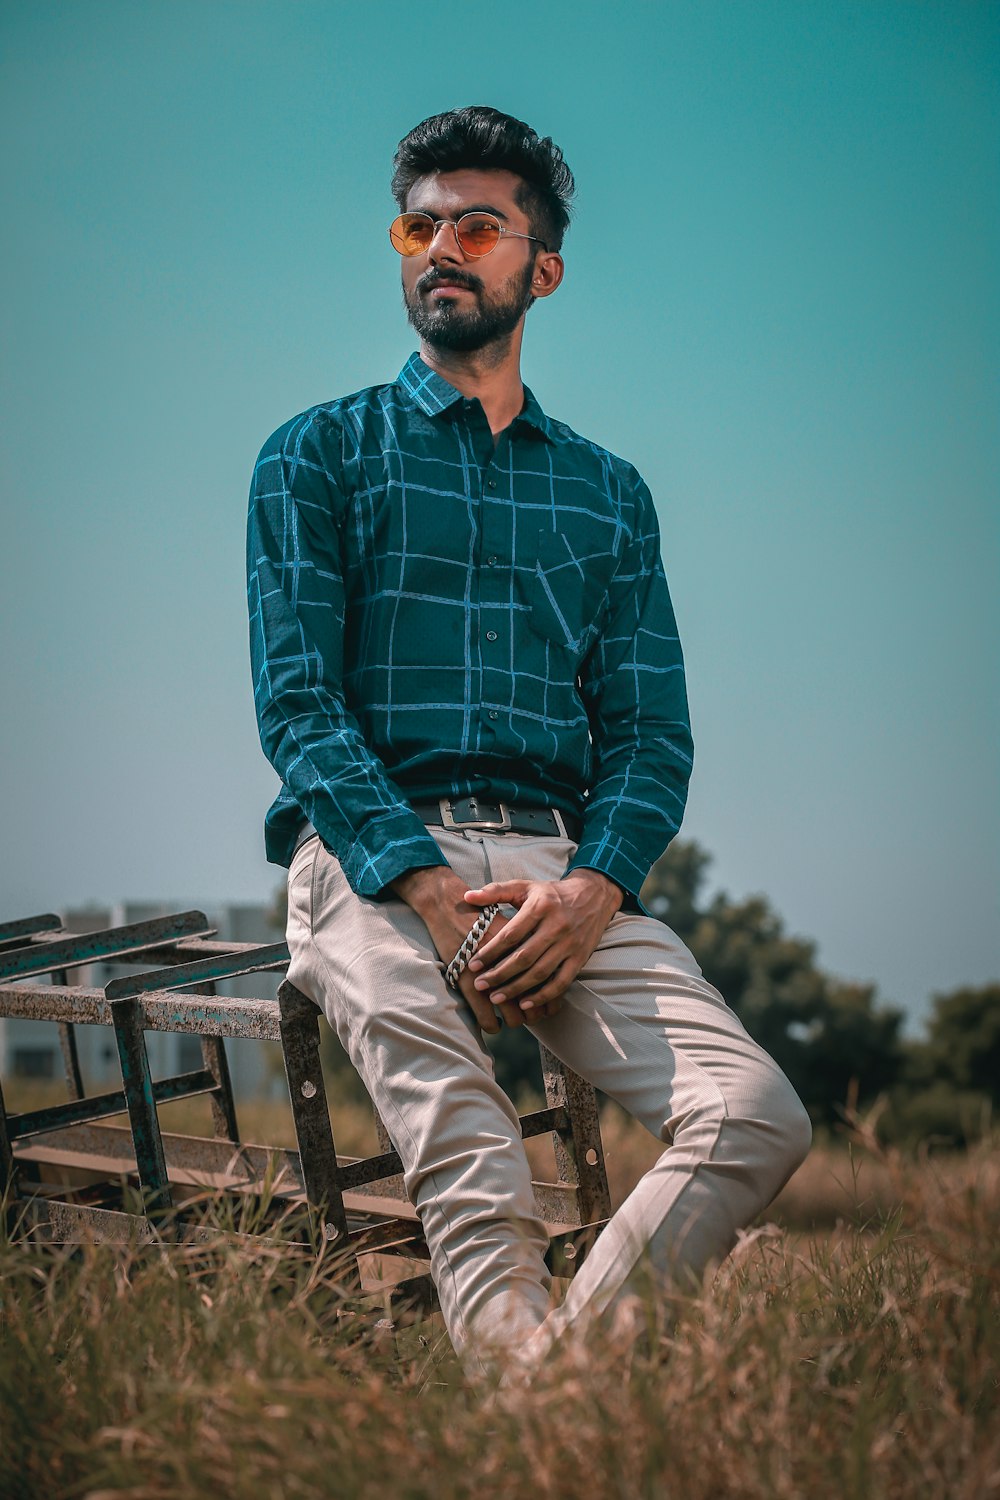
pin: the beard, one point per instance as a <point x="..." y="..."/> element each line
<point x="447" y="325"/>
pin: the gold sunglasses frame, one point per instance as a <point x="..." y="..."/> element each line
<point x="453" y="224"/>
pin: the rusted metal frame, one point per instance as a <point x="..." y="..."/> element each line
<point x="401" y="1235"/>
<point x="388" y="1163"/>
<point x="127" y="1018"/>
<point x="71" y="1060"/>
<point x="201" y="971"/>
<point x="101" y="1106"/>
<point x="202" y="974"/>
<point x="15" y="933"/>
<point x="571" y="1113"/>
<point x="540" y="1121"/>
<point x="369" y="1169"/>
<point x="578" y="1147"/>
<point x="417" y="1295"/>
<point x="162" y="1011"/>
<point x="384" y="1138"/>
<point x="186" y="950"/>
<point x="209" y="1162"/>
<point x="68" y="1047"/>
<point x="568" y="1250"/>
<point x="223" y="1104"/>
<point x="70" y="1223"/>
<point x="7" y="1163"/>
<point x="54" y="1221"/>
<point x="99" y="1147"/>
<point x="177" y="951"/>
<point x="90" y="947"/>
<point x="299" y="1028"/>
<point x="213" y="1055"/>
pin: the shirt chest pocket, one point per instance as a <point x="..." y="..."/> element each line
<point x="569" y="593"/>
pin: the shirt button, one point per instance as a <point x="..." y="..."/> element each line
<point x="492" y="483"/>
<point x="494" y="714"/>
<point x="492" y="560"/>
<point x="491" y="635"/>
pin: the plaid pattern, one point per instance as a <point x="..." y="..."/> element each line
<point x="432" y="617"/>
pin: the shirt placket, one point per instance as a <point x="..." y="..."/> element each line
<point x="494" y="570"/>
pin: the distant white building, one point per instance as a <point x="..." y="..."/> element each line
<point x="31" y="1049"/>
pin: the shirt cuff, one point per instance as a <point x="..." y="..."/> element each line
<point x="394" y="844"/>
<point x="616" y="858"/>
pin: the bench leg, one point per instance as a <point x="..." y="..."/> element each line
<point x="137" y="1082"/>
<point x="215" y="1061"/>
<point x="6" y="1153"/>
<point x="579" y="1150"/>
<point x="213" y="1055"/>
<point x="67" y="1043"/>
<point x="299" y="1027"/>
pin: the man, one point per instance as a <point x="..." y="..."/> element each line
<point x="468" y="677"/>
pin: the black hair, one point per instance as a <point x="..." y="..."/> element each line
<point x="485" y="139"/>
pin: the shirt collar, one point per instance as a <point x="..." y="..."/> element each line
<point x="434" y="396"/>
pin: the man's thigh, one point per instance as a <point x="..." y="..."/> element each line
<point x="371" y="966"/>
<point x="643" y="1024"/>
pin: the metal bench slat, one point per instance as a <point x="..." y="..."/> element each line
<point x="26" y="927"/>
<point x="99" y="1106"/>
<point x="91" y="947"/>
<point x="200" y="971"/>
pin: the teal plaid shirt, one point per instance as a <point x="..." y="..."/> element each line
<point x="434" y="616"/>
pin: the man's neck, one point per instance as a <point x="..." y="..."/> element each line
<point x="491" y="376"/>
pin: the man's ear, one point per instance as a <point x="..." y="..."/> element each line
<point x="547" y="274"/>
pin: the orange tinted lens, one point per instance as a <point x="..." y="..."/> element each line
<point x="411" y="233"/>
<point x="477" y="233"/>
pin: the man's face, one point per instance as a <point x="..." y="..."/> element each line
<point x="461" y="302"/>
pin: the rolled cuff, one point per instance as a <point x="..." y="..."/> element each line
<point x="616" y="858"/>
<point x="395" y="844"/>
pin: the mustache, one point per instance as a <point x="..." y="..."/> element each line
<point x="434" y="277"/>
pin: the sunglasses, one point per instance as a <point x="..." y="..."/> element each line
<point x="477" y="234"/>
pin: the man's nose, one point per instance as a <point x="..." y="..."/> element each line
<point x="444" y="244"/>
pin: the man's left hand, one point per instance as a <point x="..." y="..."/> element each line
<point x="538" y="954"/>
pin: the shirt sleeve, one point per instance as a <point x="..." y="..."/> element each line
<point x="634" y="691"/>
<point x="296" y="601"/>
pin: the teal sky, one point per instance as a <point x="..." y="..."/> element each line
<point x="782" y="303"/>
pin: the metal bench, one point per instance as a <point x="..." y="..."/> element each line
<point x="357" y="1206"/>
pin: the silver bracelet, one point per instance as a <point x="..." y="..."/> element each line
<point x="473" y="938"/>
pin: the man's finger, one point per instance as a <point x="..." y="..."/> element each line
<point x="512" y="1014"/>
<point x="543" y="1012"/>
<point x="551" y="992"/>
<point x="486" y="1016"/>
<point x="511" y="892"/>
<point x="515" y="931"/>
<point x="530" y="982"/>
<point x="523" y="975"/>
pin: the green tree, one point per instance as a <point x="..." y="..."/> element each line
<point x="831" y="1039"/>
<point x="963" y="1039"/>
<point x="949" y="1090"/>
<point x="853" y="1050"/>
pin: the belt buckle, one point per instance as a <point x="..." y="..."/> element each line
<point x="484" y="824"/>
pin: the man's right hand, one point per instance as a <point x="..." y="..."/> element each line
<point x="438" y="897"/>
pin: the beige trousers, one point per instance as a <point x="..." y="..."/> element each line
<point x="640" y="1022"/>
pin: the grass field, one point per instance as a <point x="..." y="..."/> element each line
<point x="849" y="1348"/>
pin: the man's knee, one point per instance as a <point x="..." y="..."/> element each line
<point x="774" y="1138"/>
<point x="794" y="1131"/>
<point x="762" y="1135"/>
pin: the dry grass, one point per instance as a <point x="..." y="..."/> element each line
<point x="861" y="1363"/>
